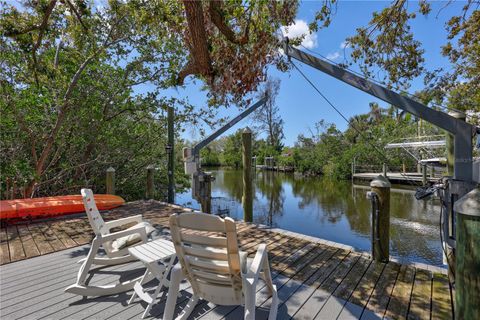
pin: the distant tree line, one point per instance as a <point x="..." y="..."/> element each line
<point x="326" y="150"/>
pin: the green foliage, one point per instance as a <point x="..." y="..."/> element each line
<point x="232" y="153"/>
<point x="68" y="104"/>
<point x="210" y="157"/>
<point x="330" y="152"/>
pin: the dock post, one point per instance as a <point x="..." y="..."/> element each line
<point x="171" y="155"/>
<point x="467" y="275"/>
<point x="150" y="185"/>
<point x="380" y="187"/>
<point x="424" y="174"/>
<point x="384" y="170"/>
<point x="247" y="199"/>
<point x="110" y="183"/>
<point x="449" y="142"/>
<point x="206" y="201"/>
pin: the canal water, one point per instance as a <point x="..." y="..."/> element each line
<point x="333" y="210"/>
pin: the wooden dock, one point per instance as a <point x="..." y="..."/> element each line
<point x="316" y="279"/>
<point x="395" y="177"/>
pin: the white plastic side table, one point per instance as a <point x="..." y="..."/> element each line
<point x="151" y="253"/>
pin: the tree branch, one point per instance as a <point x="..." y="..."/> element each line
<point x="218" y="19"/>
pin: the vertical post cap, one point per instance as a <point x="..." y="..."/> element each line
<point x="150" y="167"/>
<point x="469" y="204"/>
<point x="247" y="130"/>
<point x="110" y="169"/>
<point x="380" y="182"/>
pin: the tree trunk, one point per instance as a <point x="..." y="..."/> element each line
<point x="200" y="56"/>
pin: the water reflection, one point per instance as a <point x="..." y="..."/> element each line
<point x="332" y="210"/>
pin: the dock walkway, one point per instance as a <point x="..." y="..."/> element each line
<point x="316" y="279"/>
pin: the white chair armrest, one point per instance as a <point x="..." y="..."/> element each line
<point x="120" y="222"/>
<point x="253" y="271"/>
<point x="115" y="235"/>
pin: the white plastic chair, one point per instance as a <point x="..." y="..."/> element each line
<point x="209" y="259"/>
<point x="115" y="245"/>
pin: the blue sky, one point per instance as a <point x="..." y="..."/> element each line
<point x="300" y="106"/>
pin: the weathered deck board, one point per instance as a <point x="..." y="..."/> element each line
<point x="340" y="296"/>
<point x="336" y="266"/>
<point x="28" y="243"/>
<point x="421" y="295"/>
<point x="43" y="243"/>
<point x="4" y="250"/>
<point x="400" y="298"/>
<point x="361" y="294"/>
<point x="15" y="244"/>
<point x="380" y="297"/>
<point x="441" y="301"/>
<point x="315" y="279"/>
<point x="61" y="234"/>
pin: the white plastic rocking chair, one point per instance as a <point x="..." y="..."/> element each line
<point x="207" y="249"/>
<point x="115" y="245"/>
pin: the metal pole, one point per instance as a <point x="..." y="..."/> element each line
<point x="247" y="199"/>
<point x="171" y="155"/>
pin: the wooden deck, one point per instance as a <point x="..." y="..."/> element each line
<point x="316" y="279"/>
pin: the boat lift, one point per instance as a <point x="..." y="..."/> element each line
<point x="201" y="180"/>
<point x="461" y="130"/>
<point x="451" y="189"/>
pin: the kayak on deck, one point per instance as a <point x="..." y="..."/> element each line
<point x="53" y="206"/>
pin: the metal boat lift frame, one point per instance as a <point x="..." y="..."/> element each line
<point x="462" y="131"/>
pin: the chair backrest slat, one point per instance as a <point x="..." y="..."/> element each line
<point x="200" y="222"/>
<point x="206" y="254"/>
<point x="94" y="216"/>
<point x="207" y="249"/>
<point x="204" y="240"/>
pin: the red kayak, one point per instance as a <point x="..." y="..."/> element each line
<point x="53" y="206"/>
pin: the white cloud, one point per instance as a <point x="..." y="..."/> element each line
<point x="333" y="56"/>
<point x="299" y="29"/>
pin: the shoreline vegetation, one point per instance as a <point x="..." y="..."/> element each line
<point x="327" y="151"/>
<point x="86" y="87"/>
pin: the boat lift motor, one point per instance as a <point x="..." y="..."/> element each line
<point x="201" y="188"/>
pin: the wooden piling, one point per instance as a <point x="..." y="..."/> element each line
<point x="206" y="192"/>
<point x="450" y="144"/>
<point x="247" y="199"/>
<point x="381" y="219"/>
<point x="150" y="190"/>
<point x="467" y="275"/>
<point x="110" y="181"/>
<point x="384" y="170"/>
